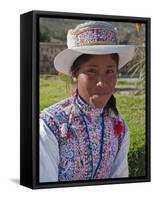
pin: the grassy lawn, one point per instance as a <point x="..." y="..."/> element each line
<point x="52" y="89"/>
<point x="132" y="109"/>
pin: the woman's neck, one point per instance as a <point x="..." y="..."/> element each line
<point x="87" y="108"/>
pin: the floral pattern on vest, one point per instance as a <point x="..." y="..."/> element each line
<point x="89" y="138"/>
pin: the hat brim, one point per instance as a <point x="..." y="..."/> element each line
<point x="64" y="60"/>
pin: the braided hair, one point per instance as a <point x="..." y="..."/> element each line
<point x="111" y="104"/>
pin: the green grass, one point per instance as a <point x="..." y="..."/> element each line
<point x="127" y="82"/>
<point x="52" y="89"/>
<point x="132" y="109"/>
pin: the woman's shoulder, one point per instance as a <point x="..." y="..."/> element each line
<point x="56" y="110"/>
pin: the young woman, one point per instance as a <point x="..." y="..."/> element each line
<point x="84" y="137"/>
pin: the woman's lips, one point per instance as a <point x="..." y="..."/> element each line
<point x="100" y="94"/>
<point x="95" y="96"/>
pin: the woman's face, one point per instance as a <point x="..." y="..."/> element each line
<point x="96" y="79"/>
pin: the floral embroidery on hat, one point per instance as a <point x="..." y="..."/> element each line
<point x="97" y="35"/>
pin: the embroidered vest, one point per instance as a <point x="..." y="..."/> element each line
<point x="83" y="155"/>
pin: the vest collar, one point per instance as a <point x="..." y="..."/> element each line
<point x="89" y="110"/>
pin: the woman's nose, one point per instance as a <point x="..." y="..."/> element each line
<point x="100" y="83"/>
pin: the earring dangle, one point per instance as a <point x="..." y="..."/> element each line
<point x="74" y="79"/>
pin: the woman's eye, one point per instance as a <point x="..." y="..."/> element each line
<point x="110" y="71"/>
<point x="92" y="71"/>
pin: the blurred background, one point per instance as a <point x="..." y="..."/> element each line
<point x="130" y="89"/>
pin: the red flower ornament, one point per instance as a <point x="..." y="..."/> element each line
<point x="119" y="128"/>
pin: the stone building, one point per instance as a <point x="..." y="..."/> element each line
<point x="48" y="51"/>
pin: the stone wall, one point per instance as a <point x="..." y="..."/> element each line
<point x="48" y="51"/>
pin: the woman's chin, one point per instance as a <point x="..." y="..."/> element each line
<point x="98" y="101"/>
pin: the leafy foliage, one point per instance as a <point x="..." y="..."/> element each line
<point x="139" y="69"/>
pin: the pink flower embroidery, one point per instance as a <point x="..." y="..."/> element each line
<point x="65" y="132"/>
<point x="119" y="128"/>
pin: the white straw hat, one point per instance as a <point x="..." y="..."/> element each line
<point x="95" y="38"/>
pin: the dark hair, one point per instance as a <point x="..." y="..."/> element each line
<point x="111" y="104"/>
